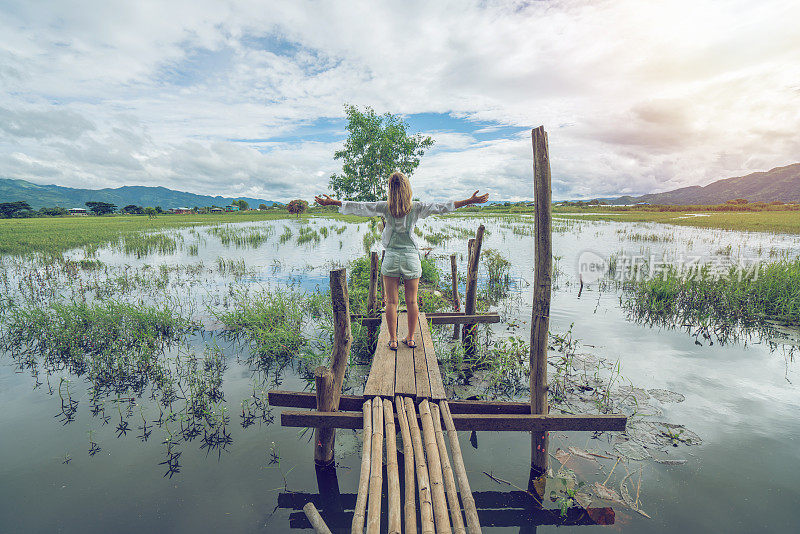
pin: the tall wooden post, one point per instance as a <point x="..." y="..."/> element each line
<point x="471" y="295"/>
<point x="456" y="299"/>
<point x="329" y="383"/>
<point x="372" y="295"/>
<point x="540" y="319"/>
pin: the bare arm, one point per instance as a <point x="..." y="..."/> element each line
<point x="474" y="199"/>
<point x="325" y="200"/>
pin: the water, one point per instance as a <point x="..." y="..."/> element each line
<point x="741" y="398"/>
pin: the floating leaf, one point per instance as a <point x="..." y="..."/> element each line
<point x="664" y="395"/>
<point x="562" y="456"/>
<point x="632" y="450"/>
<point x="606" y="493"/>
<point x="582" y="453"/>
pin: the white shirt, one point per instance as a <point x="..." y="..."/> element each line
<point x="419" y="210"/>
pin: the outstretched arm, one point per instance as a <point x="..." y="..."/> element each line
<point x="474" y="199"/>
<point x="325" y="200"/>
<point x="362" y="209"/>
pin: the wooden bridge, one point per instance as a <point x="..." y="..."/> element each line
<point x="405" y="389"/>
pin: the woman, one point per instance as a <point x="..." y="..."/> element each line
<point x="402" y="253"/>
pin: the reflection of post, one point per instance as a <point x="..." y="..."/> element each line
<point x="540" y="318"/>
<point x="330" y="497"/>
<point x="329" y="383"/>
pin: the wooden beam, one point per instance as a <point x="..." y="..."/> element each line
<point x="464" y="319"/>
<point x="352" y="403"/>
<point x="483" y="422"/>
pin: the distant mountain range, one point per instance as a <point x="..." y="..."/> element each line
<point x="41" y="196"/>
<point x="781" y="184"/>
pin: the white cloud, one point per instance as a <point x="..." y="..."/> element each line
<point x="637" y="96"/>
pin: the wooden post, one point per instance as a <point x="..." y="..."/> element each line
<point x="472" y="289"/>
<point x="328" y="396"/>
<point x="542" y="279"/>
<point x="410" y="506"/>
<point x="383" y="289"/>
<point x="456" y="298"/>
<point x="372" y="295"/>
<point x="392" y="474"/>
<point x="324" y="437"/>
<point x="363" y="480"/>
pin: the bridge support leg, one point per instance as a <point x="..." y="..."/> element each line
<point x="540" y="320"/>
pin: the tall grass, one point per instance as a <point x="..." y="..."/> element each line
<point x="771" y="292"/>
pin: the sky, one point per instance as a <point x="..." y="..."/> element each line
<point x="247" y="98"/>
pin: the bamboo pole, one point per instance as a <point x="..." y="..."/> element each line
<point x="324" y="437"/>
<point x="540" y="314"/>
<point x="376" y="469"/>
<point x="410" y="506"/>
<point x="317" y="523"/>
<point x="447" y="470"/>
<point x="425" y="503"/>
<point x="470" y="510"/>
<point x="363" y="480"/>
<point x="392" y="474"/>
<point x="383" y="288"/>
<point x="456" y="299"/>
<point x="434" y="469"/>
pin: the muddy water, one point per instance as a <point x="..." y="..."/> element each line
<point x="740" y="398"/>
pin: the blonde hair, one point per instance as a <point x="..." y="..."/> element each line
<point x="399" y="194"/>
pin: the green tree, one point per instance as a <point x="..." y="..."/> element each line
<point x="101" y="208"/>
<point x="53" y="212"/>
<point x="377" y="145"/>
<point x="150" y="212"/>
<point x="262" y="206"/>
<point x="296" y="207"/>
<point x="13" y="209"/>
<point x="243" y="205"/>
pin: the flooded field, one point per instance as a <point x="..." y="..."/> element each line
<point x="133" y="377"/>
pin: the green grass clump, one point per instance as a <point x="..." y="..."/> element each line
<point x="269" y="321"/>
<point x="115" y="344"/>
<point x="770" y="292"/>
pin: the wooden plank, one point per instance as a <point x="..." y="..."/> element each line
<point x="515" y="517"/>
<point x="421" y="367"/>
<point x="352" y="403"/>
<point x="404" y="381"/>
<point x="434" y="375"/>
<point x="465" y="319"/>
<point x="483" y="422"/>
<point x="375" y="381"/>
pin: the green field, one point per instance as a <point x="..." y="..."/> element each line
<point x="784" y="222"/>
<point x="59" y="234"/>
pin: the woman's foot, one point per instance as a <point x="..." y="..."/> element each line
<point x="409" y="343"/>
<point x="393" y="345"/>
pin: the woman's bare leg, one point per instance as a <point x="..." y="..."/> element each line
<point x="412" y="306"/>
<point x="391" y="285"/>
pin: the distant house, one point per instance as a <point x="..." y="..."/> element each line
<point x="216" y="210"/>
<point x="78" y="211"/>
<point x="231" y="208"/>
<point x="180" y="211"/>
